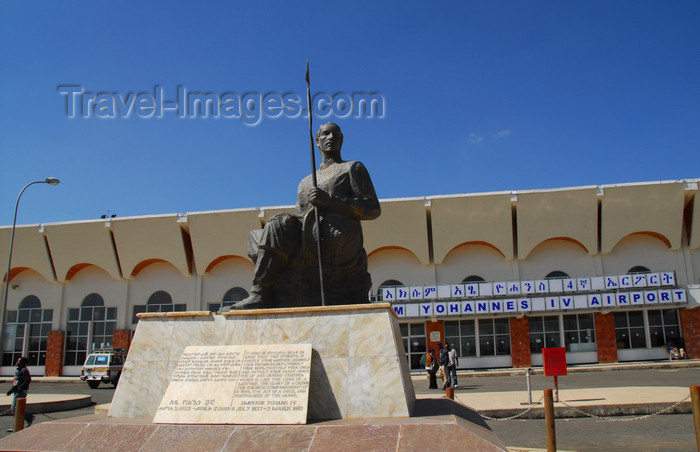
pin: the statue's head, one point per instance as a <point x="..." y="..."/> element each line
<point x="329" y="138"/>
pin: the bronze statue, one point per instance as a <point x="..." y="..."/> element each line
<point x="285" y="253"/>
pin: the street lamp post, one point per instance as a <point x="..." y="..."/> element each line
<point x="50" y="181"/>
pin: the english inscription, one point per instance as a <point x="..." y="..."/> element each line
<point x="244" y="384"/>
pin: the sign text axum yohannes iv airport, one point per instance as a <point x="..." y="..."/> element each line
<point x="602" y="292"/>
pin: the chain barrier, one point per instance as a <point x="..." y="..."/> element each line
<point x="595" y="416"/>
<point x="619" y="419"/>
<point x="510" y="418"/>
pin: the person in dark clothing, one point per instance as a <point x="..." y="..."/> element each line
<point x="20" y="388"/>
<point x="432" y="369"/>
<point x="444" y="361"/>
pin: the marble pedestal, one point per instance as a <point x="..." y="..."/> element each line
<point x="437" y="425"/>
<point x="360" y="394"/>
<point x="358" y="364"/>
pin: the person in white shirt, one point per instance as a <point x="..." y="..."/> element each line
<point x="453" y="363"/>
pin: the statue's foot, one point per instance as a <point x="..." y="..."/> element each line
<point x="224" y="309"/>
<point x="254" y="301"/>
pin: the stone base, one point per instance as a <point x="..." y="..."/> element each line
<point x="358" y="362"/>
<point x="437" y="424"/>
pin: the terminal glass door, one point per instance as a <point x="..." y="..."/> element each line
<point x="461" y="335"/>
<point x="579" y="333"/>
<point x="544" y="332"/>
<point x="494" y="337"/>
<point x="664" y="328"/>
<point x="414" y="342"/>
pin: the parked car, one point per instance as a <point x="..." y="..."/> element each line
<point x="103" y="366"/>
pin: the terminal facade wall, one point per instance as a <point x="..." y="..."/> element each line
<point x="90" y="306"/>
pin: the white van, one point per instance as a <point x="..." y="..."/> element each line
<point x="103" y="366"/>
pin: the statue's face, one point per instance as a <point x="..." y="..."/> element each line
<point x="329" y="138"/>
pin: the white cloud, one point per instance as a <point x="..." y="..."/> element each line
<point x="502" y="133"/>
<point x="474" y="138"/>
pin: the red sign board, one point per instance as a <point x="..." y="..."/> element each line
<point x="554" y="361"/>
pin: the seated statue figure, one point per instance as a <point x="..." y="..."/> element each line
<point x="285" y="251"/>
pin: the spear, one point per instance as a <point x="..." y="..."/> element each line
<point x="315" y="183"/>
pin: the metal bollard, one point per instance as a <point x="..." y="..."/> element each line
<point x="529" y="388"/>
<point x="549" y="420"/>
<point x="20" y="408"/>
<point x="695" y="401"/>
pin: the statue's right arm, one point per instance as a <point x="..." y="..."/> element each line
<point x="364" y="204"/>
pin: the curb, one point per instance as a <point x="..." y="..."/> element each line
<point x="8" y="379"/>
<point x="50" y="406"/>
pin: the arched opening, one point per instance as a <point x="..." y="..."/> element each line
<point x="30" y="302"/>
<point x="638" y="269"/>
<point x="232" y="296"/>
<point x="159" y="298"/>
<point x="235" y="294"/>
<point x="158" y="301"/>
<point x="556" y="274"/>
<point x="386" y="284"/>
<point x="93" y="300"/>
<point x="90" y="327"/>
<point x="27" y="332"/>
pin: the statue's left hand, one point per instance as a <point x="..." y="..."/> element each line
<point x="319" y="198"/>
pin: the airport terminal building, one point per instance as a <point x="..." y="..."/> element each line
<point x="610" y="272"/>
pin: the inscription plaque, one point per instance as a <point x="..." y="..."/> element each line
<point x="238" y="384"/>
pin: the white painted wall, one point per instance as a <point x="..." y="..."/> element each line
<point x="561" y="255"/>
<point x="162" y="276"/>
<point x="645" y="250"/>
<point x="641" y="354"/>
<point x="398" y="264"/>
<point x="234" y="272"/>
<point x="485" y="362"/>
<point x="473" y="259"/>
<point x="30" y="282"/>
<point x="95" y="280"/>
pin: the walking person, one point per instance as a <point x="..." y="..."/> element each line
<point x="20" y="388"/>
<point x="444" y="371"/>
<point x="431" y="365"/>
<point x="453" y="362"/>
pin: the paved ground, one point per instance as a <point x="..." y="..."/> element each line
<point x="639" y="385"/>
<point x="656" y="434"/>
<point x="604" y="387"/>
<point x="58" y="390"/>
<point x="604" y="390"/>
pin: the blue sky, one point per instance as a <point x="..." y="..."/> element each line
<point x="479" y="96"/>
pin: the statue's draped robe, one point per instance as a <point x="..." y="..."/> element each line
<point x="287" y="264"/>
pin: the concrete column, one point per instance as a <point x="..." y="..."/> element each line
<point x="55" y="348"/>
<point x="606" y="342"/>
<point x="690" y="330"/>
<point x="520" y="341"/>
<point x="438" y="326"/>
<point x="121" y="339"/>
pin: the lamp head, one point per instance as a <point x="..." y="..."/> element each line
<point x="52" y="181"/>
